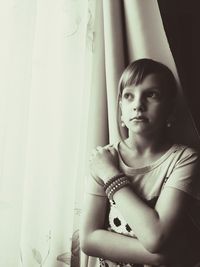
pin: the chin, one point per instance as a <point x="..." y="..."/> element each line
<point x="144" y="129"/>
<point x="139" y="130"/>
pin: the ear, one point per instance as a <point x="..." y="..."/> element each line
<point x="172" y="108"/>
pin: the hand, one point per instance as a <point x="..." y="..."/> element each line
<point x="104" y="163"/>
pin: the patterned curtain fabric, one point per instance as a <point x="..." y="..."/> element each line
<point x="46" y="49"/>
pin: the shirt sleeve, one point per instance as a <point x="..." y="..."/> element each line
<point x="94" y="186"/>
<point x="186" y="173"/>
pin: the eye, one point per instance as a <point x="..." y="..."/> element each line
<point x="127" y="96"/>
<point x="153" y="94"/>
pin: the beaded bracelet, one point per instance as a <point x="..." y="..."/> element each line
<point x="113" y="179"/>
<point x="115" y="186"/>
<point x="115" y="183"/>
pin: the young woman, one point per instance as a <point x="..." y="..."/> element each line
<point x="143" y="201"/>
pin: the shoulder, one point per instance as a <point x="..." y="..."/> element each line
<point x="114" y="145"/>
<point x="185" y="172"/>
<point x="180" y="155"/>
<point x="185" y="148"/>
<point x="186" y="154"/>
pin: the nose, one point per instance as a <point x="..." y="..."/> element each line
<point x="138" y="104"/>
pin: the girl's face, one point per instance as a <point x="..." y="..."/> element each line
<point x="146" y="107"/>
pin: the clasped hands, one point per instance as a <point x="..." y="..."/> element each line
<point x="104" y="163"/>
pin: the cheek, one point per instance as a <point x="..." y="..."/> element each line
<point x="125" y="111"/>
<point x="161" y="111"/>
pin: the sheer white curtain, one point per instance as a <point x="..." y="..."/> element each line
<point x="45" y="60"/>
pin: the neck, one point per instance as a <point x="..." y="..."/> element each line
<point x="145" y="143"/>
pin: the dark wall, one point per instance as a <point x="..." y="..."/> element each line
<point x="181" y="19"/>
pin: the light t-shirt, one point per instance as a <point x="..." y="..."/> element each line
<point x="179" y="168"/>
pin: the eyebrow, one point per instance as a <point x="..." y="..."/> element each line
<point x="148" y="88"/>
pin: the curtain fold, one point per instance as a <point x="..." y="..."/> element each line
<point x="15" y="53"/>
<point x="115" y="57"/>
<point x="133" y="29"/>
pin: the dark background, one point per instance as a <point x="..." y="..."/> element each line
<point x="181" y="19"/>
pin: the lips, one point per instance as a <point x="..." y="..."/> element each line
<point x="139" y="118"/>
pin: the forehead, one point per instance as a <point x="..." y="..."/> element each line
<point x="150" y="81"/>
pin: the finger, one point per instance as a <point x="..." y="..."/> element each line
<point x="108" y="146"/>
<point x="113" y="151"/>
<point x="111" y="148"/>
<point x="94" y="152"/>
<point x="92" y="155"/>
<point x="99" y="148"/>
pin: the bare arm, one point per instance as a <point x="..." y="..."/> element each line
<point x="155" y="228"/>
<point x="97" y="242"/>
<point x="159" y="233"/>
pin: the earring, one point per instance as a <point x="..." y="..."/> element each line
<point x="122" y="124"/>
<point x="169" y="124"/>
<point x="170" y="121"/>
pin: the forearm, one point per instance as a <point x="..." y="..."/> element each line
<point x="143" y="219"/>
<point x="119" y="248"/>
